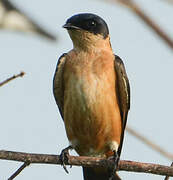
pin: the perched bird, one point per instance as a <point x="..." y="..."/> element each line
<point x="92" y="92"/>
<point x="12" y="18"/>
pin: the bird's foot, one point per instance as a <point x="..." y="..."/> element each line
<point x="115" y="159"/>
<point x="64" y="157"/>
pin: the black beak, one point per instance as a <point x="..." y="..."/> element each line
<point x="70" y="26"/>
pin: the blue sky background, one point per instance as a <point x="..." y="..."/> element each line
<point x="30" y="121"/>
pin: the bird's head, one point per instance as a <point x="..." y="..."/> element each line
<point x="87" y="31"/>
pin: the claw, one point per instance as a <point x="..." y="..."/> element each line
<point x="116" y="160"/>
<point x="64" y="157"/>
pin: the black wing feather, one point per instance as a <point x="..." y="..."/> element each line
<point x="58" y="89"/>
<point x="123" y="91"/>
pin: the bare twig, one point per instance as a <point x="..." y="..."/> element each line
<point x="21" y="74"/>
<point x="87" y="162"/>
<point x="149" y="143"/>
<point x="24" y="165"/>
<point x="142" y="15"/>
<point x="167" y="177"/>
<point x="169" y="1"/>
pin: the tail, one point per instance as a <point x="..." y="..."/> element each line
<point x="97" y="174"/>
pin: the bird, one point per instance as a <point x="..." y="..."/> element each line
<point x="92" y="91"/>
<point x="12" y="18"/>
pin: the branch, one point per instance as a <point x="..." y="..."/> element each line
<point x="167" y="177"/>
<point x="87" y="162"/>
<point x="150" y="143"/>
<point x="169" y="1"/>
<point x="147" y="20"/>
<point x="21" y="74"/>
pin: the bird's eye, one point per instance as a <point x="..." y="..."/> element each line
<point x="91" y="23"/>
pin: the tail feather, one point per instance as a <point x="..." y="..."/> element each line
<point x="97" y="174"/>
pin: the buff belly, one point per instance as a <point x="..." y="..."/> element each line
<point x="91" y="114"/>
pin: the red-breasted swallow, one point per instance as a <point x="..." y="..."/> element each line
<point x="92" y="92"/>
<point x="12" y="18"/>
